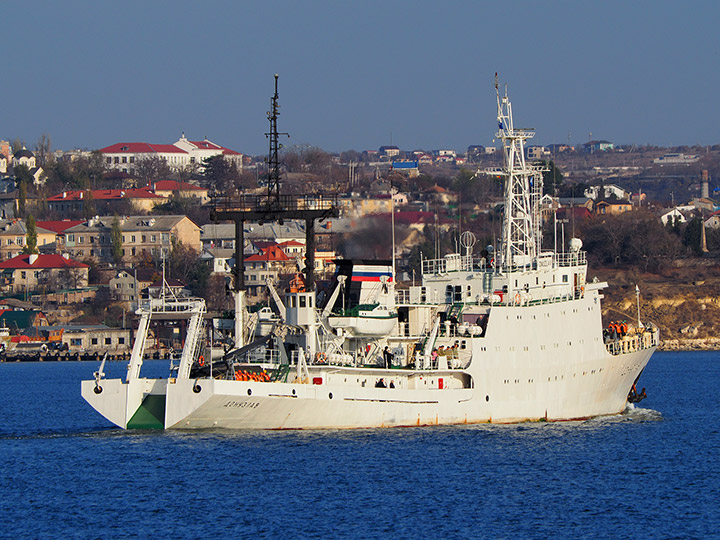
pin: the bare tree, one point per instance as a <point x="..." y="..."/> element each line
<point x="150" y="169"/>
<point x="42" y="150"/>
<point x="17" y="144"/>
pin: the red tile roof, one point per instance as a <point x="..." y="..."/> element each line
<point x="206" y="145"/>
<point x="52" y="260"/>
<point x="172" y="185"/>
<point x="141" y="148"/>
<point x="272" y="253"/>
<point x="107" y="194"/>
<point x="59" y="226"/>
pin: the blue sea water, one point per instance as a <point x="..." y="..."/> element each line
<point x="649" y="473"/>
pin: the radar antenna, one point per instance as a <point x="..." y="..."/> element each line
<point x="523" y="190"/>
<point x="273" y="159"/>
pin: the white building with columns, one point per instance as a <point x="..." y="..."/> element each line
<point x="183" y="153"/>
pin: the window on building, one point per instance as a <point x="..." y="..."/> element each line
<point x="76" y="342"/>
<point x="108" y="341"/>
<point x="93" y="341"/>
<point x="23" y="274"/>
<point x="124" y="159"/>
<point x="132" y="239"/>
<point x="132" y="159"/>
<point x="121" y="341"/>
<point x="108" y="160"/>
<point x="117" y="160"/>
<point x="153" y="238"/>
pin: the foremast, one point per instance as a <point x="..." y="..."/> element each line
<point x="521" y="240"/>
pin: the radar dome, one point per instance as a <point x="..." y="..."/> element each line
<point x="575" y="245"/>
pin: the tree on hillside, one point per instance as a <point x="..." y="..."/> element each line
<point x="30" y="236"/>
<point x="148" y="170"/>
<point x="633" y="238"/>
<point x="116" y="240"/>
<point x="220" y="174"/>
<point x="183" y="264"/>
<point x="692" y="235"/>
<point x="552" y="178"/>
<point x="23" y="181"/>
<point x="17" y="144"/>
<point x="43" y="150"/>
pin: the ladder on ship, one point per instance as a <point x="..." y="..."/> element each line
<point x="454" y="311"/>
<point x="193" y="342"/>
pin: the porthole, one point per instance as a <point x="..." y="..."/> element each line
<point x="249" y="391"/>
<point x="330" y="395"/>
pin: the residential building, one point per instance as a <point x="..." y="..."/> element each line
<point x="185" y="190"/>
<point x="612" y="207"/>
<point x="269" y="264"/>
<point x="141" y="236"/>
<point x="537" y="152"/>
<point x="713" y="220"/>
<point x="105" y="201"/>
<point x="597" y="146"/>
<point x="389" y="151"/>
<point x="676" y="159"/>
<point x="58" y="227"/>
<point x="606" y="191"/>
<point x="410" y="168"/>
<point x="673" y="216"/>
<point x="127" y="284"/>
<point x="220" y="260"/>
<point x="222" y="235"/>
<point x="13" y="237"/>
<point x="29" y="272"/>
<point x="96" y="338"/>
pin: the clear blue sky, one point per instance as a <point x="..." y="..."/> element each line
<point x="358" y="75"/>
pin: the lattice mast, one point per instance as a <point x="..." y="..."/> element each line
<point x="522" y="236"/>
<point x="273" y="154"/>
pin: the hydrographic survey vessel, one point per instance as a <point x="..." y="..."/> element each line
<point x="510" y="334"/>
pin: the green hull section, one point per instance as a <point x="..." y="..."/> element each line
<point x="150" y="414"/>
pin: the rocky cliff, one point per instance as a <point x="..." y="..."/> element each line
<point x="684" y="302"/>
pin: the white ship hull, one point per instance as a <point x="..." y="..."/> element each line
<point x="587" y="389"/>
<point x="538" y="366"/>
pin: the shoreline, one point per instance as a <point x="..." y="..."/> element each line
<point x="696" y="344"/>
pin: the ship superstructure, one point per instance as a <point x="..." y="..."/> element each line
<point x="511" y="334"/>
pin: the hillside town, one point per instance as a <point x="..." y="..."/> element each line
<point x="86" y="235"/>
